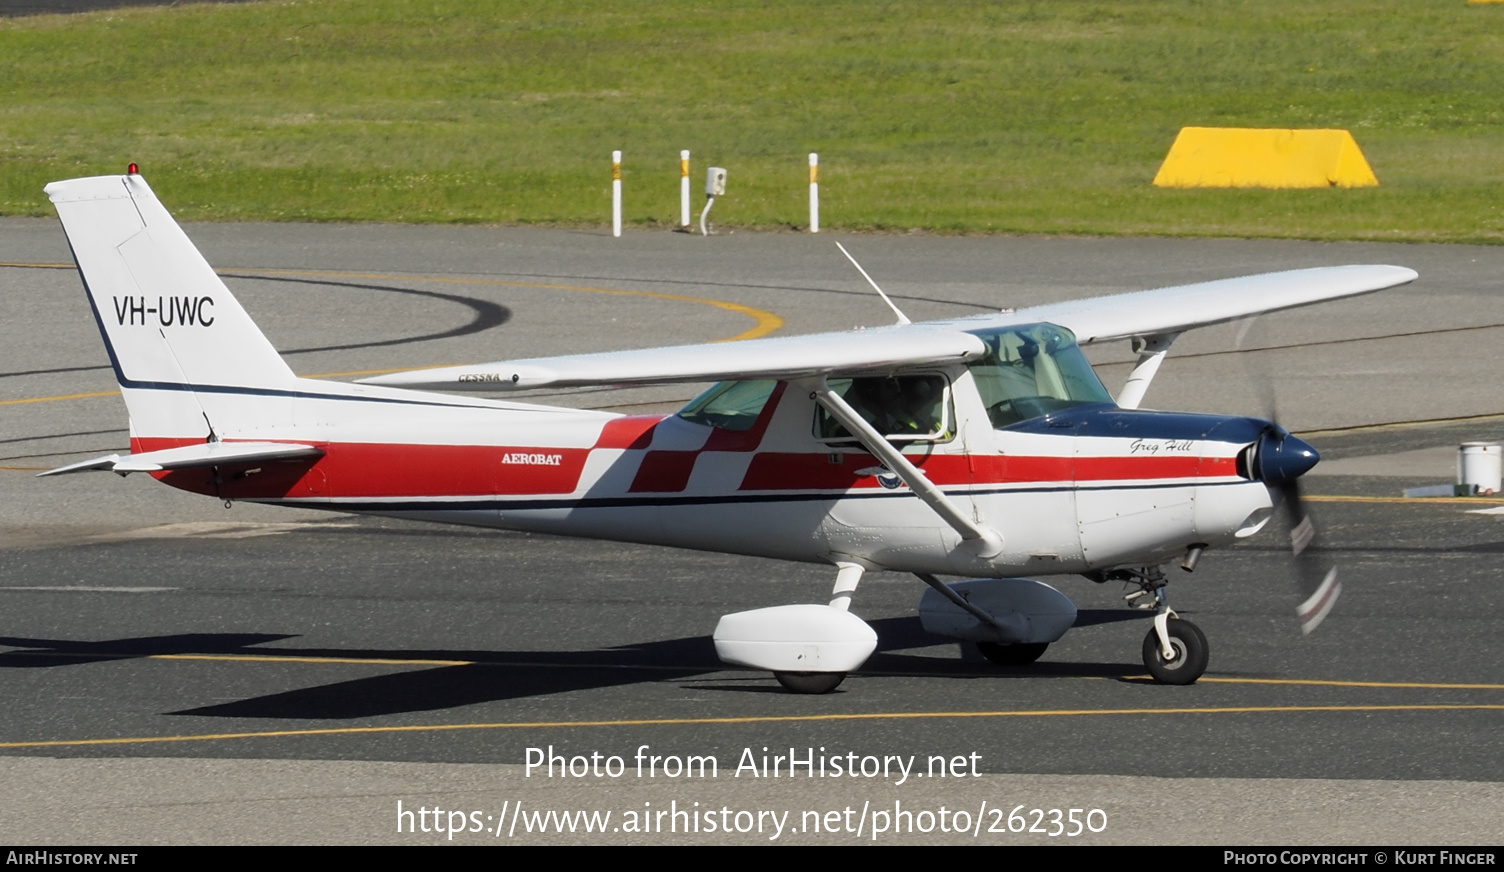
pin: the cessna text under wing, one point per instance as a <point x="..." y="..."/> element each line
<point x="983" y="447"/>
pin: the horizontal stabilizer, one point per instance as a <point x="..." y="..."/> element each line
<point x="196" y="456"/>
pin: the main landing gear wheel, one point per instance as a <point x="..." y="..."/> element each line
<point x="1012" y="655"/>
<point x="1190" y="653"/>
<point x="810" y="682"/>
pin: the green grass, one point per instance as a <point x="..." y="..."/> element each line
<point x="1047" y="117"/>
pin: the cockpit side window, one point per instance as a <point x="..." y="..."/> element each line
<point x="905" y="408"/>
<point x="1033" y="370"/>
<point x="732" y="405"/>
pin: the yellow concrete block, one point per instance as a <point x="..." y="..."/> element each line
<point x="1236" y="157"/>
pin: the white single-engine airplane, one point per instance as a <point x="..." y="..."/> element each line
<point x="983" y="446"/>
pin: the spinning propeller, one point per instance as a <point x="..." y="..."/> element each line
<point x="1278" y="460"/>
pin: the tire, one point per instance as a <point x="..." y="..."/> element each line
<point x="1012" y="655"/>
<point x="810" y="682"/>
<point x="1190" y="654"/>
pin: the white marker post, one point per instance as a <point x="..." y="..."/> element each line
<point x="814" y="193"/>
<point x="684" y="189"/>
<point x="615" y="193"/>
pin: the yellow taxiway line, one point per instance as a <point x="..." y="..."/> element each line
<point x="769" y="719"/>
<point x="273" y="658"/>
<point x="1441" y="501"/>
<point x="1031" y="713"/>
<point x="59" y="397"/>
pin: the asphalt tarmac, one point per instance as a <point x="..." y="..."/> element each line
<point x="18" y="8"/>
<point x="175" y="672"/>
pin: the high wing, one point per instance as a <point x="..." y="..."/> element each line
<point x="784" y="357"/>
<point x="1154" y="313"/>
<point x="1178" y="309"/>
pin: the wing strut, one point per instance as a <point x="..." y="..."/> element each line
<point x="981" y="541"/>
<point x="1151" y="353"/>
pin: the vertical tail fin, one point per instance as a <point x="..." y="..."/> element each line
<point x="181" y="345"/>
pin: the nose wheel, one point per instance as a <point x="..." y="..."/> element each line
<point x="1175" y="651"/>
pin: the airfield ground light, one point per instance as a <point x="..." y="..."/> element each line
<point x="715" y="186"/>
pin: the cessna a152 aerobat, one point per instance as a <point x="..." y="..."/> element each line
<point x="983" y="447"/>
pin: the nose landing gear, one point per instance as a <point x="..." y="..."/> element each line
<point x="1175" y="650"/>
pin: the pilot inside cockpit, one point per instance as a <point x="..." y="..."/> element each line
<point x="899" y="407"/>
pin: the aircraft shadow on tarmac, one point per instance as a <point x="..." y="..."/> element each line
<point x="492" y="676"/>
<point x="40" y="653"/>
<point x="1482" y="548"/>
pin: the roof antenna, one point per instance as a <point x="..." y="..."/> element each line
<point x="902" y="318"/>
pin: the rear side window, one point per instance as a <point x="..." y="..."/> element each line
<point x="732" y="405"/>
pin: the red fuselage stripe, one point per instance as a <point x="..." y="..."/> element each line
<point x="380" y="470"/>
<point x="635" y="431"/>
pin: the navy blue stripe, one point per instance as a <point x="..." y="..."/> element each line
<point x="279" y="392"/>
<point x="104" y="334"/>
<point x="1111" y="421"/>
<point x="491" y="503"/>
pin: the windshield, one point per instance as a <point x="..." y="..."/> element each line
<point x="1033" y="370"/>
